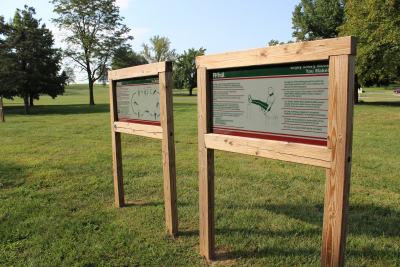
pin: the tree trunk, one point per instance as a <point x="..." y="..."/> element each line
<point x="91" y="92"/>
<point x="1" y="110"/>
<point x="30" y="101"/>
<point x="26" y="103"/>
<point x="190" y="91"/>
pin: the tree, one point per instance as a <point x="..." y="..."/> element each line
<point x="159" y="50"/>
<point x="70" y="74"/>
<point x="124" y="57"/>
<point x="376" y="24"/>
<point x="276" y="42"/>
<point x="104" y="77"/>
<point x="317" y="19"/>
<point x="30" y="64"/>
<point x="185" y="71"/>
<point x="94" y="31"/>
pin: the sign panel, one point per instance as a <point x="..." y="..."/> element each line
<point x="138" y="101"/>
<point x="284" y="103"/>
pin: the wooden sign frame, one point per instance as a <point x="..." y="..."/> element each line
<point x="165" y="132"/>
<point x="335" y="157"/>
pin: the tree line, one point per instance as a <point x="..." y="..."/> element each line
<point x="97" y="41"/>
<point x="375" y="23"/>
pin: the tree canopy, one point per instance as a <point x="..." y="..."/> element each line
<point x="159" y="50"/>
<point x="94" y="30"/>
<point x="376" y="24"/>
<point x="317" y="19"/>
<point x="124" y="57"/>
<point x="185" y="71"/>
<point x="276" y="42"/>
<point x="29" y="64"/>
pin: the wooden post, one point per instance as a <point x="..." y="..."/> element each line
<point x="168" y="151"/>
<point x="340" y="135"/>
<point x="1" y="109"/>
<point x="206" y="168"/>
<point x="116" y="150"/>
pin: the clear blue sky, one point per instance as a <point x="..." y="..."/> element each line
<point x="216" y="25"/>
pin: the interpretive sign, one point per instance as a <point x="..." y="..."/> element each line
<point x="284" y="103"/>
<point x="290" y="102"/>
<point x="138" y="101"/>
<point x="141" y="104"/>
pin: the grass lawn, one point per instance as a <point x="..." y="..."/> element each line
<point x="390" y="88"/>
<point x="57" y="198"/>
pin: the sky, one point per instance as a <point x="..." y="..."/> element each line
<point x="217" y="25"/>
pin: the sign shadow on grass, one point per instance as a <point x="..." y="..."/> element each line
<point x="364" y="220"/>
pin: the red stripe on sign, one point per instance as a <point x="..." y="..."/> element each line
<point x="268" y="133"/>
<point x="228" y="111"/>
<point x="274" y="138"/>
<point x="304" y="99"/>
<point x="305" y="109"/>
<point x="272" y="77"/>
<point x="303" y="131"/>
<point x="154" y="123"/>
<point x="226" y="95"/>
<point x="308" y="89"/>
<point x="304" y="125"/>
<point x="233" y="89"/>
<point x="304" y="117"/>
<point x="227" y="102"/>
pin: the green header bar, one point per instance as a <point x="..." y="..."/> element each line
<point x="276" y="70"/>
<point x="139" y="81"/>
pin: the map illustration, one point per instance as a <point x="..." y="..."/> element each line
<point x="138" y="101"/>
<point x="141" y="107"/>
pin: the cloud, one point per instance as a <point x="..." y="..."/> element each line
<point x="123" y="3"/>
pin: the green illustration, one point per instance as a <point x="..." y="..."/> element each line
<point x="265" y="107"/>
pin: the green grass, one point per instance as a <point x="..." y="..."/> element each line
<point x="57" y="198"/>
<point x="389" y="88"/>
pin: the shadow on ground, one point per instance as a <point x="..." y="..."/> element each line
<point x="364" y="221"/>
<point x="58" y="109"/>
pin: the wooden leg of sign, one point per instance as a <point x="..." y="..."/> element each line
<point x="1" y="109"/>
<point x="168" y="152"/>
<point x="340" y="139"/>
<point x="116" y="150"/>
<point x="206" y="169"/>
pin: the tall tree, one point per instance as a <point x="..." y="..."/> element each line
<point x="376" y="24"/>
<point x="159" y="50"/>
<point x="30" y="64"/>
<point x="94" y="31"/>
<point x="185" y="71"/>
<point x="317" y="19"/>
<point x="124" y="57"/>
<point x="70" y="74"/>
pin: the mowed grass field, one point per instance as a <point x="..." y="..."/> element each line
<point x="57" y="198"/>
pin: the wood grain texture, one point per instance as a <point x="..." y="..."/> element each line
<point x="139" y="71"/>
<point x="168" y="152"/>
<point x="139" y="129"/>
<point x="1" y="110"/>
<point x="116" y="151"/>
<point x="292" y="152"/>
<point x="287" y="53"/>
<point x="340" y="136"/>
<point x="206" y="168"/>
